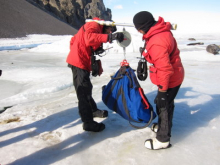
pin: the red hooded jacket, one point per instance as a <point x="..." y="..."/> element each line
<point x="161" y="50"/>
<point x="89" y="35"/>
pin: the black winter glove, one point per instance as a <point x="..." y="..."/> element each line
<point x="100" y="50"/>
<point x="161" y="100"/>
<point x="114" y="29"/>
<point x="119" y="36"/>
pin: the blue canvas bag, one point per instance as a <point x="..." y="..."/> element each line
<point x="124" y="95"/>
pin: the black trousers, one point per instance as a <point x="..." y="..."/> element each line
<point x="165" y="116"/>
<point x="83" y="87"/>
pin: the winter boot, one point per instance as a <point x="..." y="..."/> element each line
<point x="154" y="127"/>
<point x="93" y="126"/>
<point x="100" y="113"/>
<point x="154" y="144"/>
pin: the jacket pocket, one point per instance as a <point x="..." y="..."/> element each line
<point x="153" y="75"/>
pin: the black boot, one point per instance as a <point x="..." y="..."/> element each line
<point x="100" y="113"/>
<point x="93" y="126"/>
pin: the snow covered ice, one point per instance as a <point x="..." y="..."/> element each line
<point x="42" y="125"/>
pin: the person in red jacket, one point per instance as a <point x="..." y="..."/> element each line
<point x="87" y="41"/>
<point x="166" y="72"/>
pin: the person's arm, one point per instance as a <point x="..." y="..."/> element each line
<point x="93" y="35"/>
<point x="161" y="61"/>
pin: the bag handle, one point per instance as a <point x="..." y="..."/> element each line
<point x="147" y="107"/>
<point x="146" y="125"/>
<point x="122" y="73"/>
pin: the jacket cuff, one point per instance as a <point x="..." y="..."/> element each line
<point x="164" y="88"/>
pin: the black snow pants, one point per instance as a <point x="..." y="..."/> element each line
<point x="165" y="116"/>
<point x="83" y="88"/>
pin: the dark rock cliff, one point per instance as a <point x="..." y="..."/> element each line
<point x="55" y="17"/>
<point x="74" y="12"/>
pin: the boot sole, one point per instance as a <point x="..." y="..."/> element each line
<point x="152" y="146"/>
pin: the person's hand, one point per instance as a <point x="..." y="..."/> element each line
<point x="161" y="100"/>
<point x="119" y="36"/>
<point x="114" y="29"/>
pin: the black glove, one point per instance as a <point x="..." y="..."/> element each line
<point x="119" y="36"/>
<point x="100" y="50"/>
<point x="161" y="100"/>
<point x="114" y="29"/>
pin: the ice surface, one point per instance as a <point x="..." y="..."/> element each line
<point x="43" y="126"/>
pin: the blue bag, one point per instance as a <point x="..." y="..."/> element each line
<point x="124" y="95"/>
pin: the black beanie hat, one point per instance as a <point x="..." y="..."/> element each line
<point x="143" y="20"/>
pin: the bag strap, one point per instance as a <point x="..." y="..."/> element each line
<point x="144" y="126"/>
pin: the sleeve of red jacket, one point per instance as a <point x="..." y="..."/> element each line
<point x="94" y="37"/>
<point x="161" y="61"/>
<point x="72" y="41"/>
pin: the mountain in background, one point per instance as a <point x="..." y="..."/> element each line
<point x="55" y="17"/>
<point x="74" y="12"/>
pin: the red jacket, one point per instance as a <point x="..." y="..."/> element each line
<point x="161" y="50"/>
<point x="89" y="35"/>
